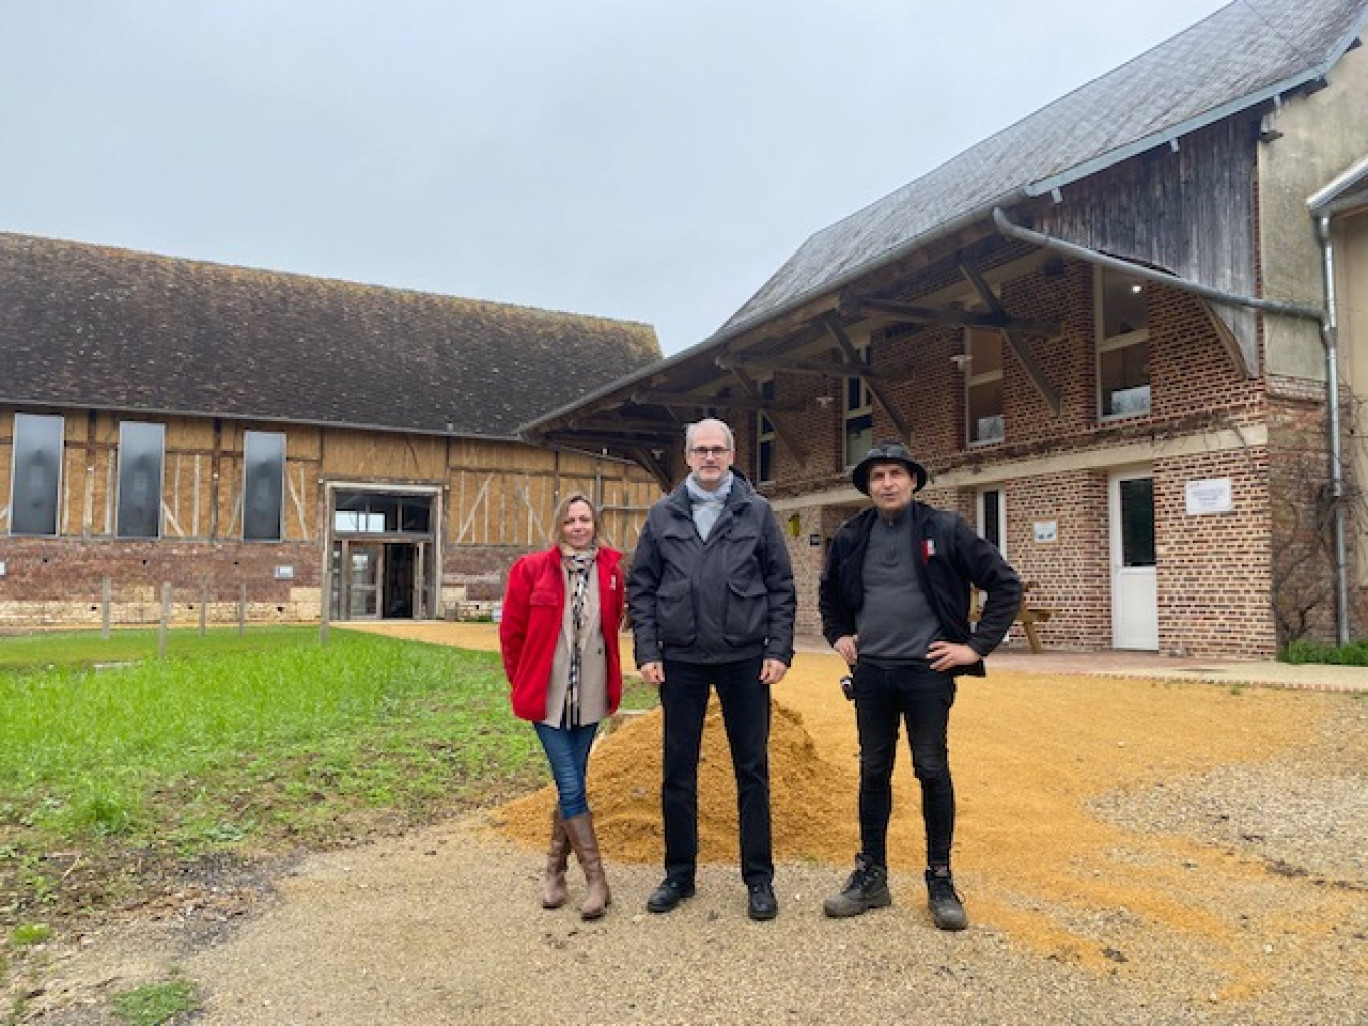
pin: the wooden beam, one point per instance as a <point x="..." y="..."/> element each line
<point x="833" y="323"/>
<point x="822" y="368"/>
<point x="780" y="426"/>
<point x="951" y="317"/>
<point x="657" y="468"/>
<point x="677" y="399"/>
<point x="1016" y="335"/>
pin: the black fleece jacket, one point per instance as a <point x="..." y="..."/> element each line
<point x="951" y="557"/>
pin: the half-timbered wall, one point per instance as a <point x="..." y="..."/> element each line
<point x="496" y="501"/>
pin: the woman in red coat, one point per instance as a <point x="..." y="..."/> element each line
<point x="559" y="639"/>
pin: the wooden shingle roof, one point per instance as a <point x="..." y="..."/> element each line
<point x="105" y="328"/>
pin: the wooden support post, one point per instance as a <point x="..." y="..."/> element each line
<point x="242" y="609"/>
<point x="204" y="607"/>
<point x="165" y="618"/>
<point x="106" y="600"/>
<point x="325" y="611"/>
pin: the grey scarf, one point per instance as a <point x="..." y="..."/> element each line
<point x="707" y="506"/>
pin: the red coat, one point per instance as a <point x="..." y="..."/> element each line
<point x="533" y="612"/>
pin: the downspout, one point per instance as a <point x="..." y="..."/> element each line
<point x="1325" y="318"/>
<point x="1330" y="337"/>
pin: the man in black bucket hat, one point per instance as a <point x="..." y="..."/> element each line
<point x="894" y="599"/>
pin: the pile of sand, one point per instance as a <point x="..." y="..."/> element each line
<point x="812" y="820"/>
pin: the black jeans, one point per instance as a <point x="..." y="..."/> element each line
<point x="884" y="696"/>
<point x="745" y="705"/>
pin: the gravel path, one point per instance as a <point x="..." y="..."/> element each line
<point x="1131" y="852"/>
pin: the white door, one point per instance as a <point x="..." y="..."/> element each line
<point x="1135" y="606"/>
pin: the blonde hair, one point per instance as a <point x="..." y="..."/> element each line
<point x="563" y="510"/>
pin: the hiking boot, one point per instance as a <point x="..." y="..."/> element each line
<point x="947" y="911"/>
<point x="867" y="888"/>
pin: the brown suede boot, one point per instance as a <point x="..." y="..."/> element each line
<point x="554" y="894"/>
<point x="581" y="830"/>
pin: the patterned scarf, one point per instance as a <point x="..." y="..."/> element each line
<point x="578" y="564"/>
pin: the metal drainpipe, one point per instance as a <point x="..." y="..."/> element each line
<point x="1330" y="337"/>
<point x="1324" y="317"/>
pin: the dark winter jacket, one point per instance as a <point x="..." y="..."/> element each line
<point x="726" y="599"/>
<point x="951" y="558"/>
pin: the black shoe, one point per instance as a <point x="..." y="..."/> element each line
<point x="947" y="911"/>
<point x="668" y="895"/>
<point x="761" y="904"/>
<point x="867" y="888"/>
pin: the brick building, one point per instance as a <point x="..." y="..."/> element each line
<point x="1107" y="332"/>
<point x="279" y="440"/>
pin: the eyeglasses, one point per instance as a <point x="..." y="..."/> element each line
<point x="715" y="452"/>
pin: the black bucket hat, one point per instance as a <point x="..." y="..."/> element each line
<point x="887" y="452"/>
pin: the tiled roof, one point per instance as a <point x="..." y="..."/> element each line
<point x="93" y="326"/>
<point x="1242" y="55"/>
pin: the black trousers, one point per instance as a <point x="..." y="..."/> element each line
<point x="885" y="697"/>
<point x="745" y="705"/>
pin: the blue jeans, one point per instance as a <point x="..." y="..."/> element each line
<point x="567" y="753"/>
<point x="885" y="697"/>
<point x="745" y="705"/>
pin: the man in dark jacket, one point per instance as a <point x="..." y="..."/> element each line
<point x="894" y="599"/>
<point x="712" y="603"/>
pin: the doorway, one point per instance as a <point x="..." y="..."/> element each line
<point x="384" y="554"/>
<point x="1135" y="600"/>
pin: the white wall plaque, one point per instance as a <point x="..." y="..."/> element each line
<point x="1210" y="496"/>
<point x="284" y="573"/>
<point x="1046" y="531"/>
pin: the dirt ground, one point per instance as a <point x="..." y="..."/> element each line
<point x="1130" y="850"/>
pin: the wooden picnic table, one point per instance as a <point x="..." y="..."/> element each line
<point x="1028" y="615"/>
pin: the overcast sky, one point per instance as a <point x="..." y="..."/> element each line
<point x="640" y="159"/>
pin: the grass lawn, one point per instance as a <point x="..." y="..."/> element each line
<point x="119" y="768"/>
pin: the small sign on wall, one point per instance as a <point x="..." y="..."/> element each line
<point x="814" y="540"/>
<point x="284" y="573"/>
<point x="1046" y="532"/>
<point x="1209" y="496"/>
<point x="2" y="568"/>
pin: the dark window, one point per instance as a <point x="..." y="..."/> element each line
<point x="34" y="490"/>
<point x="1123" y="372"/>
<point x="991" y="524"/>
<point x="1137" y="522"/>
<point x="764" y="436"/>
<point x="141" y="454"/>
<point x="983" y="386"/>
<point x="263" y="485"/>
<point x="858" y="413"/>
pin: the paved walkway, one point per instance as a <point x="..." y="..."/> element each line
<point x="1115" y="663"/>
<point x="1018" y="659"/>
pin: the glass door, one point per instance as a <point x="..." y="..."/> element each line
<point x="365" y="564"/>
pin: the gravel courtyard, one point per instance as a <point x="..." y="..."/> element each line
<point x="1130" y="851"/>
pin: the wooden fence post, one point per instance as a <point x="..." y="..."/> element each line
<point x="165" y="618"/>
<point x="242" y="609"/>
<point x="325" y="613"/>
<point x="106" y="600"/>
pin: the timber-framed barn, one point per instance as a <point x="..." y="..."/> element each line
<point x="310" y="447"/>
<point x="1128" y="335"/>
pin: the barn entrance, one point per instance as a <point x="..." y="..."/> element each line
<point x="384" y="551"/>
